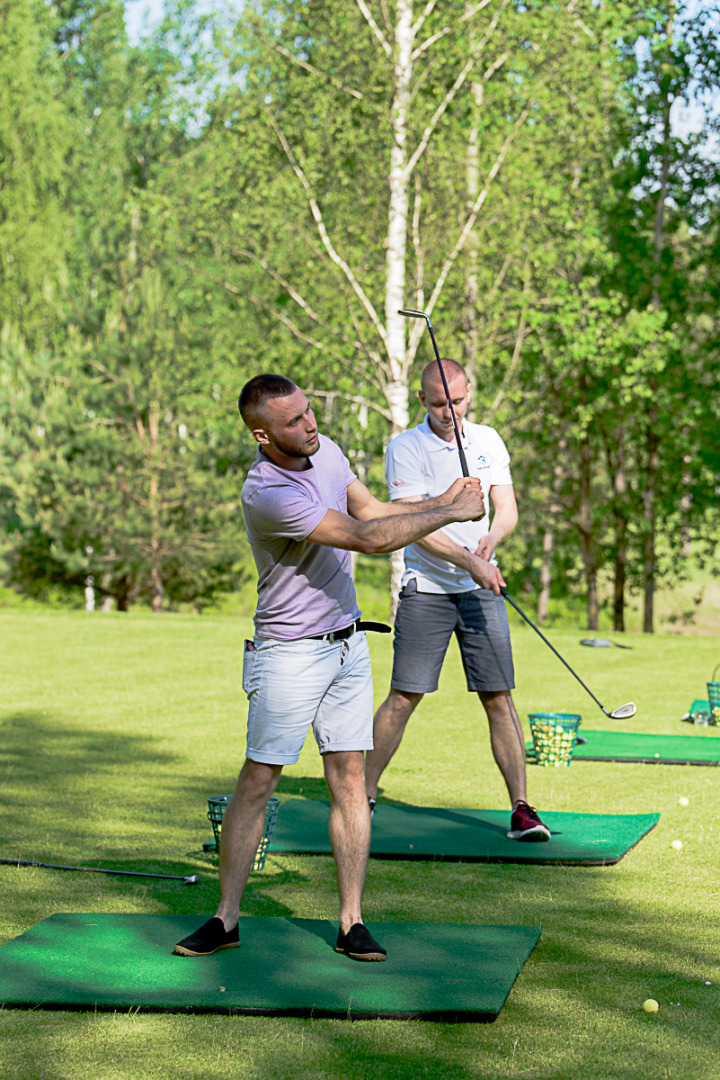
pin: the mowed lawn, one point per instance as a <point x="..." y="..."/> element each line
<point x="115" y="729"/>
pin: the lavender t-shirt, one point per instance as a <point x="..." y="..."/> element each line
<point x="303" y="588"/>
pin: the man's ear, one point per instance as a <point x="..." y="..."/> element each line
<point x="421" y="395"/>
<point x="260" y="436"/>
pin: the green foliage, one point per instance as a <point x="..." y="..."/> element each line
<point x="218" y="201"/>
<point x="36" y="133"/>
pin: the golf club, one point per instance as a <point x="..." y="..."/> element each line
<point x="623" y="712"/>
<point x="192" y="880"/>
<point x="412" y="314"/>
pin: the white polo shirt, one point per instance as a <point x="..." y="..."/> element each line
<point x="419" y="462"/>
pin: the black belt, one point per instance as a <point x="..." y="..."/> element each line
<point x="348" y="631"/>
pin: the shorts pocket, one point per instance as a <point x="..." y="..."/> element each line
<point x="249" y="657"/>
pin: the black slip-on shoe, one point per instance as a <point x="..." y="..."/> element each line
<point x="359" y="944"/>
<point x="209" y="938"/>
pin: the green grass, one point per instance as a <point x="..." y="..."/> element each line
<point x="115" y="729"/>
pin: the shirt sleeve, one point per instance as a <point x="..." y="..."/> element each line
<point x="404" y="468"/>
<point x="283" y="510"/>
<point x="500" y="469"/>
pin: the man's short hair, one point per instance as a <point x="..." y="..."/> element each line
<point x="257" y="391"/>
<point x="451" y="368"/>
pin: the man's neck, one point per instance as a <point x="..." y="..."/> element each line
<point x="292" y="464"/>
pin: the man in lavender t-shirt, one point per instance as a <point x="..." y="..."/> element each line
<point x="309" y="665"/>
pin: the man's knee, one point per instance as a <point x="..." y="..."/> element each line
<point x="345" y="770"/>
<point x="257" y="780"/>
<point x="401" y="704"/>
<point x="498" y="704"/>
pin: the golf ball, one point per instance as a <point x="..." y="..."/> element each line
<point x="650" y="1006"/>
<point x="682" y="801"/>
<point x="677" y="845"/>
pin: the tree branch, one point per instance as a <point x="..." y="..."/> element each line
<point x="308" y="67"/>
<point x="442" y="107"/>
<point x="417" y="247"/>
<point x="385" y="413"/>
<point x="324" y="236"/>
<point x="446" y="29"/>
<point x="292" y="292"/>
<point x="472" y="217"/>
<point x="367" y="15"/>
<point x="522" y="333"/>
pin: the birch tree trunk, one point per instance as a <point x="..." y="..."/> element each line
<point x="652" y="439"/>
<point x="157" y="591"/>
<point x="548" y="543"/>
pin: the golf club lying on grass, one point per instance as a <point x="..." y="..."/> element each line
<point x="192" y="880"/>
<point x="623" y="712"/>
<point x="603" y="643"/>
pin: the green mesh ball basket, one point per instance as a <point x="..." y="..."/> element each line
<point x="713" y="693"/>
<point x="218" y="804"/>
<point x="554" y="737"/>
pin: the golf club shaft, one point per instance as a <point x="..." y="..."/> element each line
<point x="461" y="452"/>
<point x="192" y="880"/>
<point x="550" y="646"/>
<point x="426" y="317"/>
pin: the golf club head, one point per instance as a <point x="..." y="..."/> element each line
<point x="413" y="314"/>
<point x="192" y="880"/>
<point x="623" y="712"/>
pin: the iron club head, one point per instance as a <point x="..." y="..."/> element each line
<point x="413" y="313"/>
<point x="192" y="880"/>
<point x="623" y="712"/>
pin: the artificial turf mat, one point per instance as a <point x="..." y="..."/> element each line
<point x="702" y="707"/>
<point x="697" y="749"/>
<point x="424" y="832"/>
<point x="434" y="971"/>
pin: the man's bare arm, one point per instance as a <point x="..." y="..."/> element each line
<point x="504" y="519"/>
<point x="439" y="543"/>
<point x="363" y="505"/>
<point x="388" y="533"/>
<point x="483" y="573"/>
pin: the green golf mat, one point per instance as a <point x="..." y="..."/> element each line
<point x="434" y="971"/>
<point x="701" y="707"/>
<point x="426" y="832"/>
<point x="698" y="749"/>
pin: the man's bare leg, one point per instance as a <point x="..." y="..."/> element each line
<point x="242" y="831"/>
<point x="506" y="739"/>
<point x="349" y="830"/>
<point x="388" y="729"/>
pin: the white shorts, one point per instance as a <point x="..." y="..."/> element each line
<point x="292" y="685"/>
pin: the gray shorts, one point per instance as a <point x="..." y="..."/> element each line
<point x="424" y="625"/>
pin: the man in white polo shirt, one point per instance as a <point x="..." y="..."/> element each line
<point x="452" y="585"/>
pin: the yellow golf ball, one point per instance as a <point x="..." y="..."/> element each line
<point x="650" y="1006"/>
<point x="677" y="845"/>
<point x="682" y="801"/>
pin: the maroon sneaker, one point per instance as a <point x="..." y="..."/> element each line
<point x="526" y="825"/>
